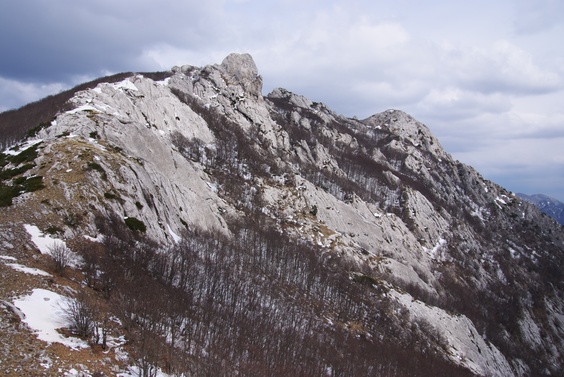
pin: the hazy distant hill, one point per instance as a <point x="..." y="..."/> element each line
<point x="552" y="207"/>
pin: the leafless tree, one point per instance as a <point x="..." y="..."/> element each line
<point x="79" y="316"/>
<point x="61" y="257"/>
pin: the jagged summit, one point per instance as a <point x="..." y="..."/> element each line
<point x="251" y="235"/>
<point x="407" y="128"/>
<point x="242" y="70"/>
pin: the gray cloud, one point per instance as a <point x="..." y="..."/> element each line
<point x="533" y="16"/>
<point x="487" y="78"/>
<point x="58" y="39"/>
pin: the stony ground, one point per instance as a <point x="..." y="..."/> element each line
<point x="21" y="353"/>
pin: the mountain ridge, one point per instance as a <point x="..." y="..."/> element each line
<point x="551" y="206"/>
<point x="203" y="152"/>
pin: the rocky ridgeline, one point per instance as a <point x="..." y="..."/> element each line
<point x="204" y="147"/>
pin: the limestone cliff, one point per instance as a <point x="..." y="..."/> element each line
<point x="204" y="149"/>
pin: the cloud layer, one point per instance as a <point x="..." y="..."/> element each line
<point x="487" y="78"/>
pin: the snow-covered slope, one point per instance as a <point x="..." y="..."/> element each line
<point x="204" y="149"/>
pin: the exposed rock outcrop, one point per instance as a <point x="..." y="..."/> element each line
<point x="204" y="147"/>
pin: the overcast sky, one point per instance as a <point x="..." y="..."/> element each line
<point x="487" y="77"/>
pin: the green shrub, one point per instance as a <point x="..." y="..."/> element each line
<point x="7" y="193"/>
<point x="313" y="210"/>
<point x="27" y="155"/>
<point x="33" y="184"/>
<point x="365" y="279"/>
<point x="96" y="166"/>
<point x="9" y="173"/>
<point x="21" y="184"/>
<point x="109" y="195"/>
<point x="52" y="229"/>
<point x="135" y="224"/>
<point x="33" y="132"/>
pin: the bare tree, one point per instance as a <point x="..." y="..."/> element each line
<point x="61" y="257"/>
<point x="80" y="316"/>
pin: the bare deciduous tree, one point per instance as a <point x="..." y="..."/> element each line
<point x="79" y="316"/>
<point x="61" y="257"/>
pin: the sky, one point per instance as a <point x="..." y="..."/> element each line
<point x="487" y="77"/>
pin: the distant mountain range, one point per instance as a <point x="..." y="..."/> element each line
<point x="552" y="207"/>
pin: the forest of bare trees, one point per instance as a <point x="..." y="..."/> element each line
<point x="255" y="304"/>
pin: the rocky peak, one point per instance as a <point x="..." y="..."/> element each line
<point x="456" y="261"/>
<point x="407" y="128"/>
<point x="240" y="69"/>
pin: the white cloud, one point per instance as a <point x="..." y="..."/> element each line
<point x="14" y="93"/>
<point x="501" y="67"/>
<point x="456" y="103"/>
<point x="480" y="74"/>
<point x="533" y="16"/>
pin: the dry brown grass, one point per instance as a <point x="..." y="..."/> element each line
<point x="21" y="353"/>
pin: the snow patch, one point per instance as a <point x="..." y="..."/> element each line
<point x="44" y="314"/>
<point x="433" y="253"/>
<point x="212" y="186"/>
<point x="175" y="236"/>
<point x="28" y="270"/>
<point x="164" y="82"/>
<point x="125" y="84"/>
<point x="46" y="244"/>
<point x="82" y="108"/>
<point x="25" y="146"/>
<point x="98" y="238"/>
<point x="42" y="241"/>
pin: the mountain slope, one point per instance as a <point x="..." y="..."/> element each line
<point x="552" y="207"/>
<point x="360" y="247"/>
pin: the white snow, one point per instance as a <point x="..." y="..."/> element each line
<point x="212" y="186"/>
<point x="134" y="372"/>
<point x="164" y="82"/>
<point x="6" y="257"/>
<point x="28" y="270"/>
<point x="44" y="314"/>
<point x="434" y="251"/>
<point x="499" y="201"/>
<point x="43" y="242"/>
<point x="28" y="144"/>
<point x="125" y="84"/>
<point x="175" y="236"/>
<point x="46" y="243"/>
<point x="98" y="238"/>
<point x="82" y="108"/>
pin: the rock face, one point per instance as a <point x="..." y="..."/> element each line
<point x="204" y="147"/>
<point x="240" y="69"/>
<point x="550" y="206"/>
